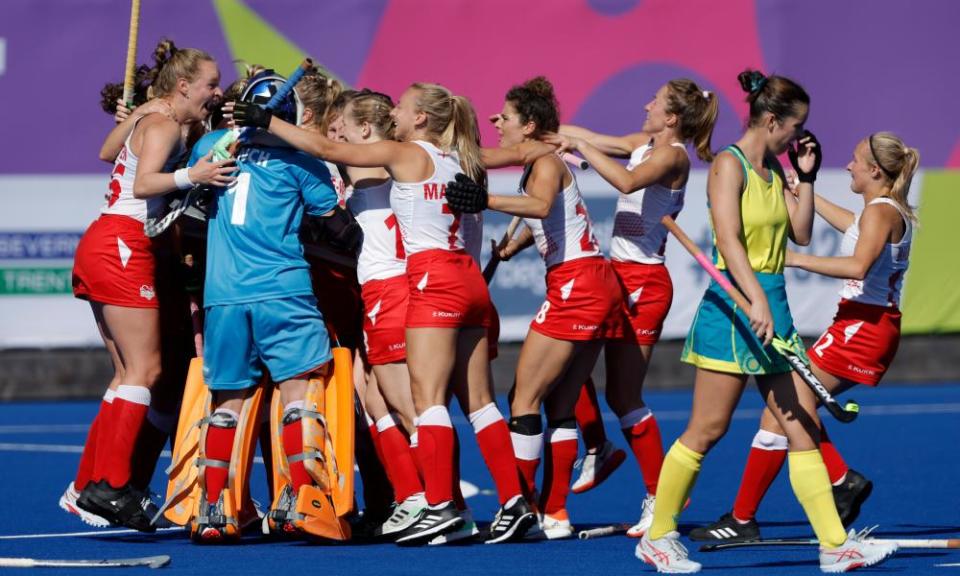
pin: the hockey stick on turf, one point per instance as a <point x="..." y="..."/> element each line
<point x="156" y="227"/>
<point x="847" y="413"/>
<point x="131" y="63"/>
<point x="601" y="531"/>
<point x="900" y="542"/>
<point x="491" y="268"/>
<point x="148" y="561"/>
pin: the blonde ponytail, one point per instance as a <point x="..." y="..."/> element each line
<point x="899" y="163"/>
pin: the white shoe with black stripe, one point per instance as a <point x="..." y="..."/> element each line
<point x="405" y="514"/>
<point x="435" y="520"/>
<point x="727" y="529"/>
<point x="512" y="521"/>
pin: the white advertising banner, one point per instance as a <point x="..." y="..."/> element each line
<point x="44" y="216"/>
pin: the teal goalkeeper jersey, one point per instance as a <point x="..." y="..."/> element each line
<point x="253" y="245"/>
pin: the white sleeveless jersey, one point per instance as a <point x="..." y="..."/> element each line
<point x="120" y="200"/>
<point x="426" y="221"/>
<point x="340" y="186"/>
<point x="881" y="286"/>
<point x="381" y="253"/>
<point x="566" y="233"/>
<point x="638" y="235"/>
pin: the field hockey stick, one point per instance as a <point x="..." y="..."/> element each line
<point x="155" y="228"/>
<point x="953" y="543"/>
<point x="601" y="531"/>
<point x="575" y="160"/>
<point x="131" y="63"/>
<point x="148" y="561"/>
<point x="491" y="268"/>
<point x="847" y="413"/>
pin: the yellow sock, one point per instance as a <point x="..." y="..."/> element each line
<point x="811" y="484"/>
<point x="680" y="468"/>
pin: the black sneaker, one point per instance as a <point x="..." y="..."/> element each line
<point x="850" y="494"/>
<point x="728" y="530"/>
<point x="433" y="521"/>
<point x="512" y="521"/>
<point x="121" y="506"/>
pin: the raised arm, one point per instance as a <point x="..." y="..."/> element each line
<point x="517" y="155"/>
<point x="126" y="120"/>
<point x="839" y="218"/>
<point x="662" y="163"/>
<point x="723" y="188"/>
<point x="876" y="225"/>
<point x="542" y="187"/>
<point x="799" y="201"/>
<point x="617" y="146"/>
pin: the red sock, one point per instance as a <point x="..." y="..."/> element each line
<point x="88" y="458"/>
<point x="647" y="446"/>
<point x="493" y="436"/>
<point x="560" y="454"/>
<point x="105" y="433"/>
<point x="292" y="446"/>
<point x="127" y="414"/>
<point x="219" y="446"/>
<point x="767" y="455"/>
<point x="589" y="420"/>
<point x="836" y="466"/>
<point x="435" y="432"/>
<point x="398" y="461"/>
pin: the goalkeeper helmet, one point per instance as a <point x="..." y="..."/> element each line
<point x="263" y="86"/>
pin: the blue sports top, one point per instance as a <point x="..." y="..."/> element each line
<point x="253" y="244"/>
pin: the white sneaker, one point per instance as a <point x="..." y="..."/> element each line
<point x="468" y="530"/>
<point x="666" y="554"/>
<point x="404" y="514"/>
<point x="646" y="518"/>
<point x="595" y="468"/>
<point x="858" y="551"/>
<point x="557" y="526"/>
<point x="68" y="502"/>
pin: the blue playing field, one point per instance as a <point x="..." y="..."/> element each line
<point x="905" y="441"/>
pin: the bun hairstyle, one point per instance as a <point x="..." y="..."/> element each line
<point x="143" y="79"/>
<point x="536" y="102"/>
<point x="453" y="122"/>
<point x="777" y="95"/>
<point x="374" y="109"/>
<point x="898" y="162"/>
<point x="697" y="110"/>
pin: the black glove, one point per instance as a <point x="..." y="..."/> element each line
<point x="252" y="115"/>
<point x="339" y="229"/>
<point x="807" y="138"/>
<point x="465" y="195"/>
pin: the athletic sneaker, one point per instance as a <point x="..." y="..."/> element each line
<point x="512" y="521"/>
<point x="646" y="518"/>
<point x="597" y="467"/>
<point x="122" y="506"/>
<point x="68" y="502"/>
<point x="727" y="529"/>
<point x="435" y="520"/>
<point x="404" y="515"/>
<point x="465" y="532"/>
<point x="858" y="551"/>
<point x="850" y="494"/>
<point x="556" y="526"/>
<point x="666" y="554"/>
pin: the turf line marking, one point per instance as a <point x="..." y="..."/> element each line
<point x="40" y="429"/>
<point x="79" y="534"/>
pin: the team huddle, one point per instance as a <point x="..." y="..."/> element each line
<point x="324" y="296"/>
